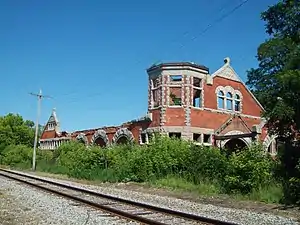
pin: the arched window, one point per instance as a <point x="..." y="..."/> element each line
<point x="237" y="103"/>
<point x="221" y="100"/>
<point x="229" y="101"/>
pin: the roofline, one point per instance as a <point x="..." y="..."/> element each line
<point x="227" y="64"/>
<point x="172" y="64"/>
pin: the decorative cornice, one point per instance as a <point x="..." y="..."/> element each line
<point x="55" y="139"/>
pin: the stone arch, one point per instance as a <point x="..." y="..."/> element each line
<point x="100" y="138"/>
<point x="247" y="140"/>
<point x="123" y="135"/>
<point x="82" y="137"/>
<point x="235" y="144"/>
<point x="268" y="141"/>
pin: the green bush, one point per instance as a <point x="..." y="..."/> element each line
<point x="206" y="163"/>
<point x="289" y="172"/>
<point x="172" y="162"/>
<point x="16" y="154"/>
<point x="248" y="170"/>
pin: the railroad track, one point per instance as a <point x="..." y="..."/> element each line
<point x="131" y="210"/>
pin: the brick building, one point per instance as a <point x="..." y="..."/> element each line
<point x="185" y="101"/>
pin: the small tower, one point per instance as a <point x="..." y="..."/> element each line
<point x="173" y="90"/>
<point x="53" y="123"/>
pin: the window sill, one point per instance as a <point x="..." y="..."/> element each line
<point x="157" y="107"/>
<point x="197" y="108"/>
<point x="228" y="110"/>
<point x="207" y="144"/>
<point x="175" y="106"/>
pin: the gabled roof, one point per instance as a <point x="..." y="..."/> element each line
<point x="229" y="121"/>
<point x="53" y="117"/>
<point x="227" y="72"/>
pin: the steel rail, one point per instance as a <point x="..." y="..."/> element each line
<point x="117" y="199"/>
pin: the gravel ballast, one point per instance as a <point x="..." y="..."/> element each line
<point x="216" y="212"/>
<point x="27" y="205"/>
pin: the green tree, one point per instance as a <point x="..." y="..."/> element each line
<point x="15" y="131"/>
<point x="276" y="81"/>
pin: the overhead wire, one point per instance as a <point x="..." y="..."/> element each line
<point x="193" y="38"/>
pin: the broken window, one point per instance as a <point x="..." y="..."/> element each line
<point x="206" y="138"/>
<point x="155" y="94"/>
<point x="237" y="103"/>
<point x="197" y="82"/>
<point x="197" y="137"/>
<point x="143" y="138"/>
<point x="197" y="92"/>
<point x="175" y="78"/>
<point x="197" y="98"/>
<point x="175" y="96"/>
<point x="174" y="134"/>
<point x="155" y="82"/>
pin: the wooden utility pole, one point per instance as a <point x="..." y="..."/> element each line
<point x="39" y="96"/>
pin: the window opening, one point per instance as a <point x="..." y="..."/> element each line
<point x="221" y="100"/>
<point x="176" y="78"/>
<point x="229" y="101"/>
<point x="237" y="103"/>
<point x="197" y="82"/>
<point x="197" y="137"/>
<point x="174" y="135"/>
<point x="197" y="98"/>
<point x="206" y="138"/>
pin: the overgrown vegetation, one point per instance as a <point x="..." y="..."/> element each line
<point x="248" y="174"/>
<point x="172" y="163"/>
<point x="276" y="83"/>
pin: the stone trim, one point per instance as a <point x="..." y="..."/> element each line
<point x="247" y="140"/>
<point x="232" y="112"/>
<point x="123" y="132"/>
<point x="55" y="139"/>
<point x="163" y="92"/>
<point x="226" y="71"/>
<point x="100" y="134"/>
<point x="168" y="91"/>
<point x="225" y="90"/>
<point x="268" y="141"/>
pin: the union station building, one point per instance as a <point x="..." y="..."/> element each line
<point x="185" y="101"/>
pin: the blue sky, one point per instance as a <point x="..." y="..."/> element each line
<point x="91" y="56"/>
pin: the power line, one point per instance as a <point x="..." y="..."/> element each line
<point x="39" y="97"/>
<point x="220" y="9"/>
<point x="218" y="20"/>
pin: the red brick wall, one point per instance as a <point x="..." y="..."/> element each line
<point x="250" y="106"/>
<point x="175" y="117"/>
<point x="207" y="119"/>
<point x="155" y="118"/>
